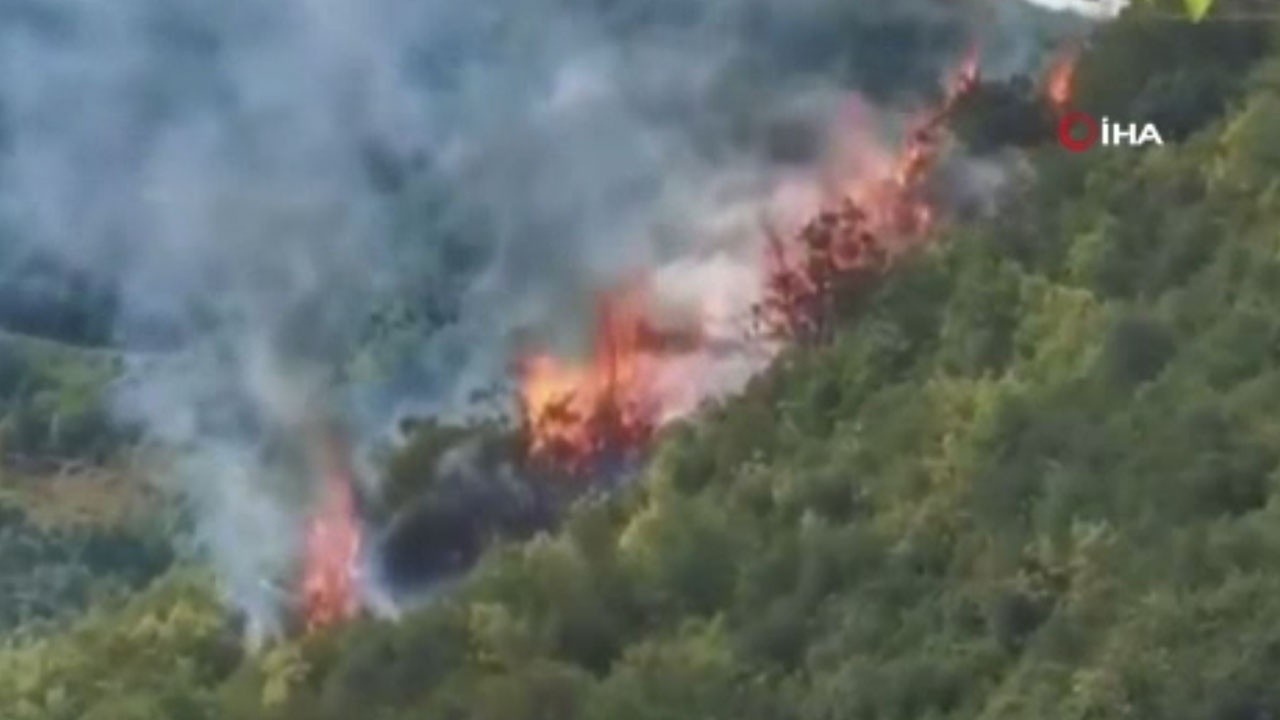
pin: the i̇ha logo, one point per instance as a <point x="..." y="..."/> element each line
<point x="1078" y="131"/>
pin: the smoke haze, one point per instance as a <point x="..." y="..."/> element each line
<point x="318" y="209"/>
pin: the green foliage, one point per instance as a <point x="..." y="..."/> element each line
<point x="1196" y="9"/>
<point x="53" y="399"/>
<point x="156" y="658"/>
<point x="46" y="574"/>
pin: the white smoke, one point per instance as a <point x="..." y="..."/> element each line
<point x="1095" y="9"/>
<point x="320" y="207"/>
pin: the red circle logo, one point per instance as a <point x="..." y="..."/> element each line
<point x="1069" y="123"/>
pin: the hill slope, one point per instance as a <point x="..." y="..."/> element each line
<point x="1034" y="477"/>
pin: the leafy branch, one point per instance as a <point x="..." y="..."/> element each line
<point x="1196" y="9"/>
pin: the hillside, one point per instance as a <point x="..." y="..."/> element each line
<point x="1036" y="474"/>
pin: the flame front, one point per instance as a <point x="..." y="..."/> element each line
<point x="579" y="415"/>
<point x="883" y="210"/>
<point x="332" y="545"/>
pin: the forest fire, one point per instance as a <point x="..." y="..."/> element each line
<point x="332" y="544"/>
<point x="579" y="416"/>
<point x="1059" y="87"/>
<point x="894" y="206"/>
<point x="587" y="417"/>
<point x="883" y="211"/>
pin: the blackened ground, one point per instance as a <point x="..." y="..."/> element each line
<point x="443" y="533"/>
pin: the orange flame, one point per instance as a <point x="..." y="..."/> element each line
<point x="1060" y="83"/>
<point x="883" y="210"/>
<point x="579" y="415"/>
<point x="332" y="545"/>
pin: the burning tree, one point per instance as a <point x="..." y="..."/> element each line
<point x="332" y="543"/>
<point x="839" y="252"/>
<point x="581" y="418"/>
<point x="1060" y="82"/>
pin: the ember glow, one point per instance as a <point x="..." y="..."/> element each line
<point x="332" y="545"/>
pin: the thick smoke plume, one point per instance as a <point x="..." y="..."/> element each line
<point x="323" y="210"/>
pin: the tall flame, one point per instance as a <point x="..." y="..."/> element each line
<point x="1060" y="83"/>
<point x="332" y="544"/>
<point x="578" y="415"/>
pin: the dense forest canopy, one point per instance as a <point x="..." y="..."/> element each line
<point x="1032" y="474"/>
